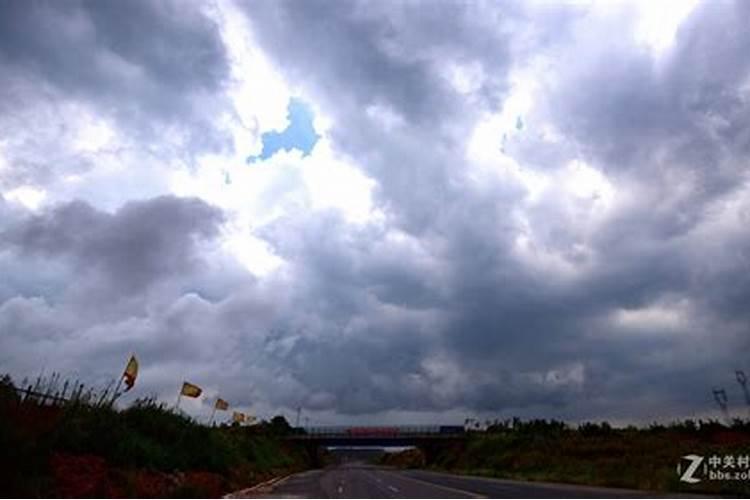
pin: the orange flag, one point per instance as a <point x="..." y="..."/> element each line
<point x="238" y="417"/>
<point x="190" y="390"/>
<point x="221" y="404"/>
<point x="131" y="373"/>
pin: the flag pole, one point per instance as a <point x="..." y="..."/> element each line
<point x="116" y="394"/>
<point x="179" y="397"/>
<point x="212" y="416"/>
<point x="119" y="384"/>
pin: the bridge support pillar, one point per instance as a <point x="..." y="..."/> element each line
<point x="315" y="454"/>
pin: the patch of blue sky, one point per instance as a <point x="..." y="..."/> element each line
<point x="299" y="134"/>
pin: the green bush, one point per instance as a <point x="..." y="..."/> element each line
<point x="597" y="453"/>
<point x="147" y="435"/>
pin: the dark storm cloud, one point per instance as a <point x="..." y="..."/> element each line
<point x="492" y="310"/>
<point x="466" y="292"/>
<point x="675" y="131"/>
<point x="382" y="309"/>
<point x="679" y="130"/>
<point x="98" y="285"/>
<point x="139" y="244"/>
<point x="521" y="338"/>
<point x="352" y="261"/>
<point x="693" y="106"/>
<point x="176" y="48"/>
<point x="681" y="122"/>
<point x="155" y="69"/>
<point x="310" y="36"/>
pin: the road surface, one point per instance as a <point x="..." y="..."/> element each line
<point x="368" y="481"/>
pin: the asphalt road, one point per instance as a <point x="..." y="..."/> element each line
<point x="367" y="481"/>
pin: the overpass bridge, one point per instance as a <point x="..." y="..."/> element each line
<point x="353" y="436"/>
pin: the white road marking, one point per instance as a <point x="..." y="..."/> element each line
<point x="379" y="482"/>
<point x="265" y="486"/>
<point x="439" y="486"/>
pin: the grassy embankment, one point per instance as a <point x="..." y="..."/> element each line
<point x="84" y="447"/>
<point x="591" y="454"/>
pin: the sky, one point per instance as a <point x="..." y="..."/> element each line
<point x="380" y="212"/>
<point x="299" y="133"/>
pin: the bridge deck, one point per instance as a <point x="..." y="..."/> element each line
<point x="377" y="436"/>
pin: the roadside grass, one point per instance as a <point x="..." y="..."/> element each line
<point x="595" y="454"/>
<point x="83" y="446"/>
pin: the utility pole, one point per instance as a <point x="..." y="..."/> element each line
<point x="720" y="396"/>
<point x="742" y="380"/>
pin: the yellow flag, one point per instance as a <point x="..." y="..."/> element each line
<point x="131" y="373"/>
<point x="221" y="404"/>
<point x="190" y="390"/>
<point x="238" y="417"/>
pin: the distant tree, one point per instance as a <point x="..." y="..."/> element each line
<point x="7" y="390"/>
<point x="280" y="426"/>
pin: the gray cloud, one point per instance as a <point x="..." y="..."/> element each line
<point x="159" y="53"/>
<point x="151" y="69"/>
<point x="468" y="294"/>
<point x="361" y="62"/>
<point x="503" y="319"/>
<point x="140" y="244"/>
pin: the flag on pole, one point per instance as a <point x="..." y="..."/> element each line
<point x="190" y="390"/>
<point x="250" y="419"/>
<point x="238" y="417"/>
<point x="130" y="373"/>
<point x="221" y="404"/>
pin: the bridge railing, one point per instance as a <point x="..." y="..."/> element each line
<point x="359" y="432"/>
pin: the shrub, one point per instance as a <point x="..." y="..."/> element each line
<point x="46" y="433"/>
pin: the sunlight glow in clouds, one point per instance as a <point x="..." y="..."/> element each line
<point x="486" y="146"/>
<point x="29" y="196"/>
<point x="255" y="195"/>
<point x="654" y="320"/>
<point x="92" y="135"/>
<point x="259" y="94"/>
<point x="585" y="182"/>
<point x="658" y="21"/>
